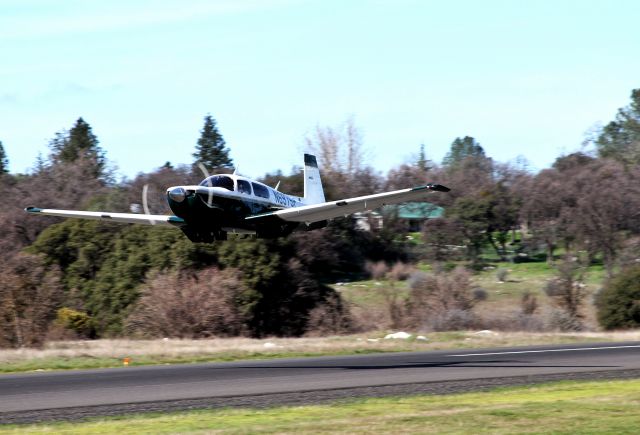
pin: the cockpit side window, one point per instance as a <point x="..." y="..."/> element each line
<point x="244" y="187"/>
<point x="260" y="190"/>
<point x="218" y="181"/>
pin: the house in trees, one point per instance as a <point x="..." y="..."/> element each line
<point x="410" y="216"/>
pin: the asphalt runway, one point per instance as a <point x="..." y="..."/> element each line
<point x="75" y="394"/>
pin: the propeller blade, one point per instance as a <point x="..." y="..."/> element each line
<point x="145" y="204"/>
<point x="203" y="168"/>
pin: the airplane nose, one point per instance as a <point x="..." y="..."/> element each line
<point x="177" y="194"/>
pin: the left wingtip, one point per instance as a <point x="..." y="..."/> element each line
<point x="33" y="210"/>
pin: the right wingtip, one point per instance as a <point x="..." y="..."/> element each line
<point x="439" y="188"/>
<point x="33" y="210"/>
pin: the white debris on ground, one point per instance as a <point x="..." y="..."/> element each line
<point x="398" y="335"/>
<point x="421" y="337"/>
<point x="270" y="345"/>
<point x="373" y="340"/>
<point x="485" y="333"/>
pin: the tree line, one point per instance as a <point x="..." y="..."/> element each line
<point x="96" y="279"/>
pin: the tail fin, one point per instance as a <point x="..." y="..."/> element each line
<point x="313" y="192"/>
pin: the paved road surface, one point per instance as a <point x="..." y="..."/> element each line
<point x="32" y="393"/>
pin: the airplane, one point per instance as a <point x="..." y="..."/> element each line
<point x="232" y="204"/>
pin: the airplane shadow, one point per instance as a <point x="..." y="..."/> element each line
<point x="423" y="365"/>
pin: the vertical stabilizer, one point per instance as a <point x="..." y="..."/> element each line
<point x="313" y="192"/>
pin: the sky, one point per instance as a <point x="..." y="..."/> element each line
<point x="526" y="79"/>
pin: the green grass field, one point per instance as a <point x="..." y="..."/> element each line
<point x="521" y="277"/>
<point x="505" y="296"/>
<point x="611" y="407"/>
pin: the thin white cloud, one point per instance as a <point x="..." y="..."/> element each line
<point x="90" y="17"/>
<point x="8" y="99"/>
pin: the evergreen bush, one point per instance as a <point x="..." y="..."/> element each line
<point x="618" y="303"/>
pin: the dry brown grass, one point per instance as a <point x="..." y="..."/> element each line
<point x="163" y="350"/>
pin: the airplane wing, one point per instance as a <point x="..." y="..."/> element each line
<point x="132" y="218"/>
<point x="329" y="210"/>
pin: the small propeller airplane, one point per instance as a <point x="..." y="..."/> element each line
<point x="230" y="203"/>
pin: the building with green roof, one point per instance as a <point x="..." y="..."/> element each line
<point x="414" y="214"/>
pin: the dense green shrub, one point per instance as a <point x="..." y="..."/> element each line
<point x="281" y="290"/>
<point x="619" y="302"/>
<point x="74" y="320"/>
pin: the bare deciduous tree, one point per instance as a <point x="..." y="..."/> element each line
<point x="206" y="303"/>
<point x="568" y="291"/>
<point x="434" y="298"/>
<point x="62" y="186"/>
<point x="30" y="293"/>
<point x="528" y="303"/>
<point x="330" y="317"/>
<point x="157" y="183"/>
<point x="343" y="159"/>
<point x="607" y="208"/>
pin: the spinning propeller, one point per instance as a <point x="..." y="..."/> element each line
<point x="206" y="174"/>
<point x="145" y="203"/>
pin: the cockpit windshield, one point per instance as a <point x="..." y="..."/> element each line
<point x="218" y="181"/>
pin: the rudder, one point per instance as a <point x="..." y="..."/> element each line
<point x="313" y="191"/>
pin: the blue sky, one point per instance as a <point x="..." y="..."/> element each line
<point x="523" y="78"/>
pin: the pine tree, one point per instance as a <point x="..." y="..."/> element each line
<point x="210" y="149"/>
<point x="79" y="142"/>
<point x="423" y="163"/>
<point x="620" y="139"/>
<point x="4" y="161"/>
<point x="461" y="149"/>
